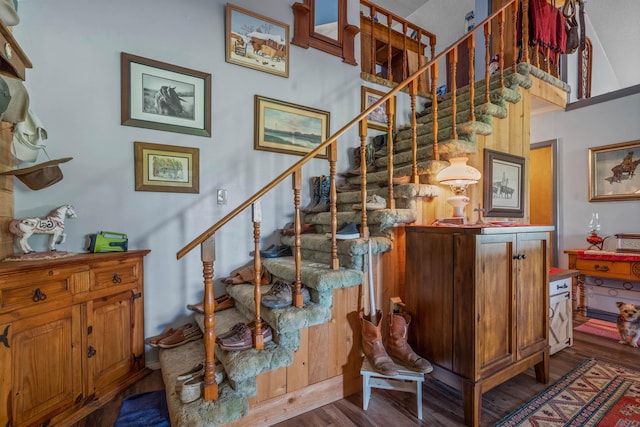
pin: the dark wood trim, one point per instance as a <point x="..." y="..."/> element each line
<point x="610" y="96"/>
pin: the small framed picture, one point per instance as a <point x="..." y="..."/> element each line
<point x="161" y="96"/>
<point x="612" y="172"/>
<point x="256" y="41"/>
<point x="378" y="118"/>
<point x="289" y="128"/>
<point x="166" y="168"/>
<point x="503" y="184"/>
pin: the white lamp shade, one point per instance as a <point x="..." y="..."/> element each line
<point x="459" y="173"/>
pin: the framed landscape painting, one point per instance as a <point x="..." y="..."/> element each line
<point x="167" y="168"/>
<point x="612" y="172"/>
<point x="161" y="96"/>
<point x="256" y="41"/>
<point x="289" y="128"/>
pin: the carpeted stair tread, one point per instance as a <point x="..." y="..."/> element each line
<point x="283" y="320"/>
<point x="351" y="247"/>
<point x="315" y="275"/>
<point x="231" y="404"/>
<point x="384" y="218"/>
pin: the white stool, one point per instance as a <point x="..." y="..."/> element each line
<point x="406" y="380"/>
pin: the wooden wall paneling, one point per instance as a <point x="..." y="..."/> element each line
<point x="271" y="384"/>
<point x="298" y="372"/>
<point x="6" y="190"/>
<point x="318" y="337"/>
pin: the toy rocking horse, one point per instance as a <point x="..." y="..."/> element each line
<point x="52" y="224"/>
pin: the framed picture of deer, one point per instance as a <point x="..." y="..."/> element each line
<point x="612" y="172"/>
<point x="161" y="96"/>
<point x="167" y="168"/>
<point x="503" y="184"/>
<point x="256" y="41"/>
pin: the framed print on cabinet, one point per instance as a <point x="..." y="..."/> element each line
<point x="256" y="41"/>
<point x="166" y="168"/>
<point x="161" y="96"/>
<point x="612" y="172"/>
<point x="378" y="118"/>
<point x="503" y="184"/>
<point x="289" y="128"/>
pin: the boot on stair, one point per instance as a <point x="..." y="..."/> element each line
<point x="371" y="167"/>
<point x="372" y="346"/>
<point x="399" y="349"/>
<point x="324" y="195"/>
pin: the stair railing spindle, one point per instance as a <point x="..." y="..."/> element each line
<point x="256" y="213"/>
<point x="364" y="229"/>
<point x="208" y="256"/>
<point x="514" y="67"/>
<point x="391" y="113"/>
<point x="373" y="40"/>
<point x="501" y="56"/>
<point x="413" y="92"/>
<point x="434" y="112"/>
<point x="525" y="31"/>
<point x="334" y="264"/>
<point x="389" y="49"/>
<point x="487" y="61"/>
<point x="405" y="74"/>
<point x="454" y="90"/>
<point x="472" y="76"/>
<point x="297" y="257"/>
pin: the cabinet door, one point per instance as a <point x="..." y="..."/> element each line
<point x="494" y="312"/>
<point x="560" y="322"/>
<point x="110" y="339"/>
<point x="41" y="366"/>
<point x="532" y="293"/>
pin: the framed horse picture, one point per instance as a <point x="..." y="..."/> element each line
<point x="161" y="96"/>
<point x="612" y="172"/>
<point x="503" y="185"/>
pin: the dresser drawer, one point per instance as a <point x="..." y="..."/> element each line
<point x="35" y="288"/>
<point x="115" y="274"/>
<point x="560" y="286"/>
<point x="603" y="268"/>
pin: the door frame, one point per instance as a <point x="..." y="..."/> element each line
<point x="553" y="143"/>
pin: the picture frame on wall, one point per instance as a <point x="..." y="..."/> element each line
<point x="256" y="41"/>
<point x="284" y="127"/>
<point x="503" y="184"/>
<point x="166" y="168"/>
<point x="612" y="172"/>
<point x="378" y="118"/>
<point x="161" y="96"/>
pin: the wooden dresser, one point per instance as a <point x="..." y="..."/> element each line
<point x="479" y="297"/>
<point x="71" y="335"/>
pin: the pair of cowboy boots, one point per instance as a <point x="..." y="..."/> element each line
<point x="397" y="348"/>
<point x="320" y="201"/>
<point x="370" y="158"/>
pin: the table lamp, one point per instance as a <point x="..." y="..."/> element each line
<point x="458" y="176"/>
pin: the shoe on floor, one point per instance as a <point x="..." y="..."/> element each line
<point x="221" y="303"/>
<point x="346" y="231"/>
<point x="267" y="333"/>
<point x="242" y="339"/>
<point x="191" y="389"/>
<point x="183" y="335"/>
<point x="374" y="202"/>
<point x="276" y="251"/>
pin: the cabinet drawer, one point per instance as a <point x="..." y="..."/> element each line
<point x="559" y="286"/>
<point x="603" y="268"/>
<point x="35" y="288"/>
<point x="117" y="274"/>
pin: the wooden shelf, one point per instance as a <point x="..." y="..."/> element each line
<point x="13" y="60"/>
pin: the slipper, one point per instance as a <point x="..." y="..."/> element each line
<point x="247" y="275"/>
<point x="221" y="303"/>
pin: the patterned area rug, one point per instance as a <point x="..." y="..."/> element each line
<point x="602" y="328"/>
<point x="593" y="394"/>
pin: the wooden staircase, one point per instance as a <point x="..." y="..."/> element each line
<point x="315" y="354"/>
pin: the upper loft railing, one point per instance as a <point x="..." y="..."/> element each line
<point x="391" y="47"/>
<point x="206" y="240"/>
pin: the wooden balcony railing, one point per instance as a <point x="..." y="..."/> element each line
<point x="206" y="240"/>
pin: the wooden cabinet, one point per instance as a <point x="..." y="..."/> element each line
<point x="479" y="297"/>
<point x="71" y="335"/>
<point x="560" y="310"/>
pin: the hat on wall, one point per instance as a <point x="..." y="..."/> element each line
<point x="18" y="107"/>
<point x="41" y="175"/>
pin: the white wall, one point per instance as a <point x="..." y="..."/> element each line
<point x="578" y="130"/>
<point x="74" y="86"/>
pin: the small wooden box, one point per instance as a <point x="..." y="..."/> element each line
<point x="628" y="243"/>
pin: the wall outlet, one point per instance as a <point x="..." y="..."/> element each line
<point x="395" y="305"/>
<point x="222" y="197"/>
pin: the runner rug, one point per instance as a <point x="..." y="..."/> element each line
<point x="593" y="394"/>
<point x="599" y="327"/>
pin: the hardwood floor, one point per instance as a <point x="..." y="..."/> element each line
<point x="441" y="405"/>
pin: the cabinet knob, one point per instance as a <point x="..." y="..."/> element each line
<point x="520" y="256"/>
<point x="116" y="278"/>
<point x="38" y="295"/>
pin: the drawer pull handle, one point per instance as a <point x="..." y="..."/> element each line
<point x="116" y="278"/>
<point x="38" y="295"/>
<point x="91" y="352"/>
<point x="520" y="256"/>
<point x="604" y="268"/>
<point x="563" y="286"/>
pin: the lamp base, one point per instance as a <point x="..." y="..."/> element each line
<point x="459" y="202"/>
<point x="456" y="220"/>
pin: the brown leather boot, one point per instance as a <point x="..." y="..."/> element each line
<point x="372" y="346"/>
<point x="399" y="349"/>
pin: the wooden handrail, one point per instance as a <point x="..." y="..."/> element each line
<point x="333" y="138"/>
